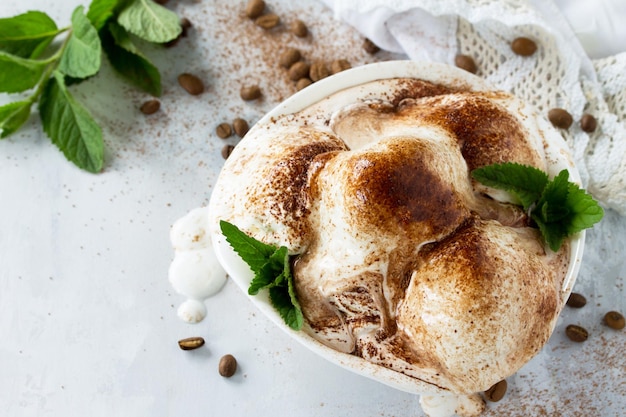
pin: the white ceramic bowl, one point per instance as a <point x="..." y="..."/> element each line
<point x="557" y="153"/>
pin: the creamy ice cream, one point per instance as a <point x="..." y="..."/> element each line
<point x="399" y="257"/>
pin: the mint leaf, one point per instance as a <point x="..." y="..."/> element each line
<point x="19" y="74"/>
<point x="584" y="210"/>
<point x="26" y="35"/>
<point x="81" y="57"/>
<point x="150" y="21"/>
<point x="13" y="116"/>
<point x="253" y="252"/>
<point x="100" y="11"/>
<point x="70" y="126"/>
<point x="524" y="182"/>
<point x="272" y="270"/>
<point x="129" y="61"/>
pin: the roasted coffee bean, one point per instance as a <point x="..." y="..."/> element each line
<point x="524" y="46"/>
<point x="576" y="300"/>
<point x="588" y="123"/>
<point x="466" y="62"/>
<point x="150" y="106"/>
<point x="185" y="24"/>
<point x="192" y="84"/>
<point x="339" y="65"/>
<point x="318" y="71"/>
<point x="255" y="8"/>
<point x="298" y="28"/>
<point x="576" y="333"/>
<point x="299" y="70"/>
<point x="191" y="343"/>
<point x="223" y="130"/>
<point x="289" y="57"/>
<point x="497" y="391"/>
<point x="227" y="150"/>
<point x="560" y="118"/>
<point x="251" y="92"/>
<point x="303" y="83"/>
<point x="370" y="47"/>
<point x="227" y="366"/>
<point x="241" y="127"/>
<point x="614" y="320"/>
<point x="267" y="21"/>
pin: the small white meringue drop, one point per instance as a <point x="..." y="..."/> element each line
<point x="196" y="273"/>
<point x="191" y="231"/>
<point x="192" y="311"/>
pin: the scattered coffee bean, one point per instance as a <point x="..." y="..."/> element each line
<point x="588" y="123"/>
<point x="289" y="57"/>
<point x="185" y="24"/>
<point x="497" y="391"/>
<point x="370" y="47"/>
<point x="150" y="106"/>
<point x="255" y="8"/>
<point x="576" y="333"/>
<point x="223" y="130"/>
<point x="267" y="21"/>
<point x="339" y="65"/>
<point x="227" y="150"/>
<point x="299" y="70"/>
<point x="251" y="92"/>
<point x="523" y="46"/>
<point x="192" y="84"/>
<point x="466" y="62"/>
<point x="298" y="28"/>
<point x="560" y="118"/>
<point x="318" y="71"/>
<point x="227" y="366"/>
<point x="614" y="320"/>
<point x="191" y="343"/>
<point x="303" y="83"/>
<point x="576" y="300"/>
<point x="241" y="127"/>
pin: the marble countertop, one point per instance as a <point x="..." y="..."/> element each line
<point x="87" y="316"/>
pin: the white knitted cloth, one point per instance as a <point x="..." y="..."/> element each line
<point x="559" y="74"/>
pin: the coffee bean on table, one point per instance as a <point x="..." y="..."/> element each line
<point x="241" y="127"/>
<point x="576" y="300"/>
<point x="223" y="130"/>
<point x="614" y="320"/>
<point x="318" y="71"/>
<point x="192" y="84"/>
<point x="497" y="391"/>
<point x="370" y="47"/>
<point x="576" y="333"/>
<point x="524" y="46"/>
<point x="150" y="106"/>
<point x="289" y="57"/>
<point x="251" y="92"/>
<point x="303" y="83"/>
<point x="299" y="70"/>
<point x="255" y="8"/>
<point x="227" y="366"/>
<point x="466" y="62"/>
<point x="227" y="150"/>
<point x="339" y="65"/>
<point x="267" y="21"/>
<point x="298" y="28"/>
<point x="588" y="123"/>
<point x="191" y="343"/>
<point x="560" y="118"/>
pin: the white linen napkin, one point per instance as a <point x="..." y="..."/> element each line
<point x="559" y="74"/>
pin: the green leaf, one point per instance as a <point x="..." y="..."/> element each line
<point x="70" y="126"/>
<point x="295" y="319"/>
<point x="524" y="182"/>
<point x="19" y="74"/>
<point x="128" y="60"/>
<point x="290" y="313"/>
<point x="100" y="11"/>
<point x="26" y="35"/>
<point x="13" y="116"/>
<point x="584" y="210"/>
<point x="82" y="55"/>
<point x="270" y="274"/>
<point x="253" y="252"/>
<point x="552" y="204"/>
<point x="150" y="21"/>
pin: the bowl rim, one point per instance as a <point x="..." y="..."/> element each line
<point x="429" y="71"/>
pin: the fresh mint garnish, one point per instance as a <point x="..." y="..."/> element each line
<point x="559" y="207"/>
<point x="272" y="271"/>
<point x="30" y="61"/>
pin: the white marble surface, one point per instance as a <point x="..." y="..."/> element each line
<point x="87" y="317"/>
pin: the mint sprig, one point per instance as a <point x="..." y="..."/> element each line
<point x="272" y="271"/>
<point x="560" y="208"/>
<point x="29" y="60"/>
